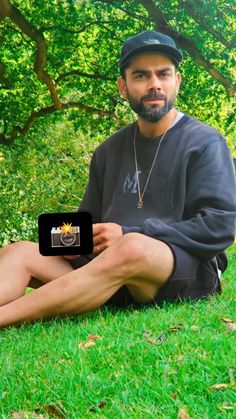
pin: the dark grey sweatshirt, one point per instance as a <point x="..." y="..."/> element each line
<point x="190" y="200"/>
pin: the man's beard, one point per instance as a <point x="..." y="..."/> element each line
<point x="152" y="113"/>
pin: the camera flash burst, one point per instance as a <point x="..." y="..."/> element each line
<point x="66" y="228"/>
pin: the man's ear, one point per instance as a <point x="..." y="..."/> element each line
<point x="121" y="83"/>
<point x="178" y="82"/>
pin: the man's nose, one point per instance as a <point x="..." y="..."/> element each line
<point x="154" y="83"/>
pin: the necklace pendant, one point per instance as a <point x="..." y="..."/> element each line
<point x="140" y="204"/>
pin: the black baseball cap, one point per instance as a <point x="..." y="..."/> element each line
<point x="149" y="41"/>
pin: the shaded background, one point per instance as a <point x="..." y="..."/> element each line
<point x="58" y="95"/>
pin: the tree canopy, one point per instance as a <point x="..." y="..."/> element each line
<point x="64" y="55"/>
<point x="58" y="95"/>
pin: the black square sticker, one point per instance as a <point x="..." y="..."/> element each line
<point x="68" y="233"/>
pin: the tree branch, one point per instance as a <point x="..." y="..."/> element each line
<point x="162" y="24"/>
<point x="4" y="9"/>
<point x="8" y="10"/>
<point x="81" y="73"/>
<point x="197" y="13"/>
<point x="134" y="15"/>
<point x="15" y="29"/>
<point x="81" y="30"/>
<point x="127" y="12"/>
<point x="16" y="131"/>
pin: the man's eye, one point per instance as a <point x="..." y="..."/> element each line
<point x="140" y="76"/>
<point x="165" y="75"/>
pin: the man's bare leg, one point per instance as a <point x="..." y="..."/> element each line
<point x="142" y="263"/>
<point x="21" y="261"/>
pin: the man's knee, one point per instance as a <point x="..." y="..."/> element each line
<point x="132" y="245"/>
<point x="132" y="252"/>
<point x="22" y="247"/>
<point x="142" y="256"/>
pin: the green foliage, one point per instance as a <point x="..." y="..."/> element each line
<point x="86" y="37"/>
<point x="47" y="169"/>
<point x="205" y="99"/>
<point x="47" y="173"/>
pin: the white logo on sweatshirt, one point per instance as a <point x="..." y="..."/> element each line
<point x="130" y="183"/>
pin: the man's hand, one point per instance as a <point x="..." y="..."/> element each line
<point x="71" y="257"/>
<point x="104" y="235"/>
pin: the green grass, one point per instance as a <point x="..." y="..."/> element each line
<point x="125" y="374"/>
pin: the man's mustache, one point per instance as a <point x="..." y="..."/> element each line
<point x="154" y="95"/>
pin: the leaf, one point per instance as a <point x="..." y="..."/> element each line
<point x="175" y="328"/>
<point x="232" y="326"/>
<point x="18" y="415"/>
<point x="194" y="327"/>
<point x="87" y="344"/>
<point x="94" y="337"/>
<point x="90" y="342"/>
<point x="99" y="406"/>
<point x="227" y="406"/>
<point x="220" y="386"/>
<point x="56" y="410"/>
<point x="27" y="415"/>
<point x="226" y="320"/>
<point x="230" y="323"/>
<point x="102" y="404"/>
<point x="183" y="414"/>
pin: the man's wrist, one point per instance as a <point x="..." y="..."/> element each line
<point x="126" y="229"/>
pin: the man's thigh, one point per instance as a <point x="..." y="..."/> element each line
<point x="191" y="278"/>
<point x="24" y="256"/>
<point x="149" y="264"/>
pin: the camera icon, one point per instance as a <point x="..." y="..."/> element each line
<point x="62" y="237"/>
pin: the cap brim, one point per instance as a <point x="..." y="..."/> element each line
<point x="174" y="54"/>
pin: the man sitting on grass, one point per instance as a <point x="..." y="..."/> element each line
<point x="162" y="195"/>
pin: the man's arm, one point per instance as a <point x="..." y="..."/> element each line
<point x="208" y="224"/>
<point x="92" y="199"/>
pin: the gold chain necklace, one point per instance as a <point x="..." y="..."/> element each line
<point x="141" y="195"/>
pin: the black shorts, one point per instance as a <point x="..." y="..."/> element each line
<point x="191" y="279"/>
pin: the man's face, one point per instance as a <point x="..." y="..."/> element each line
<point x="151" y="86"/>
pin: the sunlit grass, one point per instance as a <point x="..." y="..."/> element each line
<point x="46" y="366"/>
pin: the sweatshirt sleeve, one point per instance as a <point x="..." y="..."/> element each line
<point x="92" y="199"/>
<point x="209" y="219"/>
